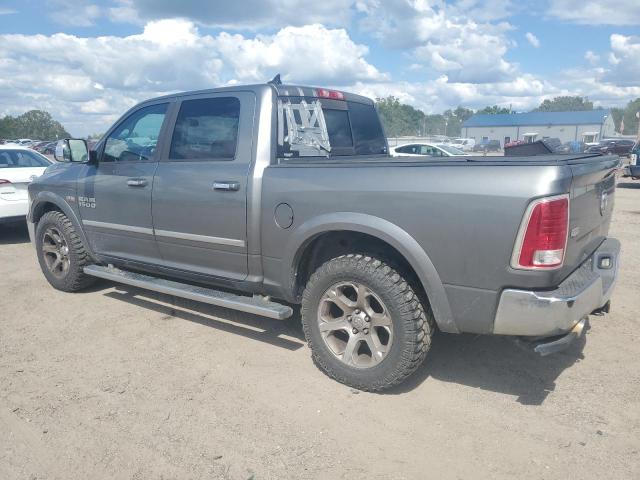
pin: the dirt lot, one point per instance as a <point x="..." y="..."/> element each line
<point x="119" y="383"/>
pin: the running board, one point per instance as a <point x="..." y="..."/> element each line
<point x="254" y="305"/>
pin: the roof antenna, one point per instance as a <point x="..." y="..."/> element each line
<point x="275" y="80"/>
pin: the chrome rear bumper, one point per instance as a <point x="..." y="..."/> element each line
<point x="554" y="312"/>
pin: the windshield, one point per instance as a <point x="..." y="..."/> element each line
<point x="451" y="150"/>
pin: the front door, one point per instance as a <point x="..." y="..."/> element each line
<point x="114" y="196"/>
<point x="200" y="187"/>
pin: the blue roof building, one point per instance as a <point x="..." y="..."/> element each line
<point x="586" y="126"/>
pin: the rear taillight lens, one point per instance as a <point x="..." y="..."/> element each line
<point x="542" y="238"/>
<point x="4" y="182"/>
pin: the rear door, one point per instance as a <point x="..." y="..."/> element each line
<point x="114" y="196"/>
<point x="200" y="187"/>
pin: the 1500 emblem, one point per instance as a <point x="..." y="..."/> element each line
<point x="87" y="202"/>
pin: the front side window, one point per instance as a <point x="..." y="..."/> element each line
<point x="136" y="138"/>
<point x="206" y="128"/>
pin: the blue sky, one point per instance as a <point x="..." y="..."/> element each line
<point x="87" y="61"/>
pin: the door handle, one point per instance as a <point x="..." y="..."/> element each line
<point x="137" y="182"/>
<point x="226" y="186"/>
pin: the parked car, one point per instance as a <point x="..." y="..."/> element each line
<point x="487" y="146"/>
<point x="48" y="148"/>
<point x="633" y="168"/>
<point x="620" y="147"/>
<point x="287" y="195"/>
<point x="18" y="167"/>
<point x="571" y="147"/>
<point x="464" y="144"/>
<point x="427" y="149"/>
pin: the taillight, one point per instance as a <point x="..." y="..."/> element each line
<point x="333" y="94"/>
<point x="4" y="182"/>
<point x="542" y="238"/>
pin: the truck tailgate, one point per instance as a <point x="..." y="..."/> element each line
<point x="591" y="206"/>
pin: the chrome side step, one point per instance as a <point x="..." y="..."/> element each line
<point x="254" y="305"/>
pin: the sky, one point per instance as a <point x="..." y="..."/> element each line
<point x="88" y="61"/>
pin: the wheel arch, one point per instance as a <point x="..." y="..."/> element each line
<point x="402" y="246"/>
<point x="49" y="201"/>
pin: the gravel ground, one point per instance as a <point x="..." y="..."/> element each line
<point x="121" y="383"/>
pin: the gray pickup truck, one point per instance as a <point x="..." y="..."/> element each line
<point x="257" y="198"/>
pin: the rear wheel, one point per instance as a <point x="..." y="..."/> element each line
<point x="61" y="253"/>
<point x="364" y="323"/>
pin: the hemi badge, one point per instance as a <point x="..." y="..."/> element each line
<point x="574" y="232"/>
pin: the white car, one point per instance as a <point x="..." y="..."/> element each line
<point x="19" y="166"/>
<point x="426" y="149"/>
<point x="465" y="144"/>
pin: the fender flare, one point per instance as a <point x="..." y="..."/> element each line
<point x="58" y="201"/>
<point x="386" y="231"/>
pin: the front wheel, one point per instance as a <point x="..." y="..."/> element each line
<point x="364" y="323"/>
<point x="61" y="254"/>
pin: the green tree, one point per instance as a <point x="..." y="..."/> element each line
<point x="617" y="114"/>
<point x="399" y="119"/>
<point x="454" y="120"/>
<point x="494" y="110"/>
<point x="34" y="124"/>
<point x="629" y="117"/>
<point x="565" y="104"/>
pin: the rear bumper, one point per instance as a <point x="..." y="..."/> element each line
<point x="554" y="312"/>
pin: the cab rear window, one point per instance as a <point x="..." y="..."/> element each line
<point x="352" y="128"/>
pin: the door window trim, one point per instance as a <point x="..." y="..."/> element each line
<point x="245" y="121"/>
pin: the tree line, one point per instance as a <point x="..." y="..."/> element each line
<point x="34" y="124"/>
<point x="400" y="119"/>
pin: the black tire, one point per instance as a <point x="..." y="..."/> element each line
<point x="73" y="278"/>
<point x="412" y="322"/>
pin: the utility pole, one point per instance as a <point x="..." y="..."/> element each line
<point x="638" y="117"/>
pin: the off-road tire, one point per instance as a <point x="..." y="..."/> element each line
<point x="413" y="323"/>
<point x="74" y="278"/>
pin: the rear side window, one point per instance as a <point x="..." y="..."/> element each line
<point x="206" y="128"/>
<point x="367" y="131"/>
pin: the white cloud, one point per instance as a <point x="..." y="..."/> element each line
<point x="532" y="39"/>
<point x="597" y="12"/>
<point x="311" y="53"/>
<point x="87" y="82"/>
<point x="78" y="13"/>
<point x="591" y="57"/>
<point x="247" y="14"/>
<point x="445" y="36"/>
<point x="625" y="61"/>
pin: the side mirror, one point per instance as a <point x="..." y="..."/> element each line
<point x="72" y="150"/>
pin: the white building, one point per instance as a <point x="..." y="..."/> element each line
<point x="587" y="126"/>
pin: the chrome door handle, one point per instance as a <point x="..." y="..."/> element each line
<point x="227" y="186"/>
<point x="137" y="182"/>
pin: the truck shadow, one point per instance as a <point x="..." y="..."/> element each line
<point x="284" y="334"/>
<point x="494" y="363"/>
<point x="14" y="233"/>
<point x="632" y="185"/>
